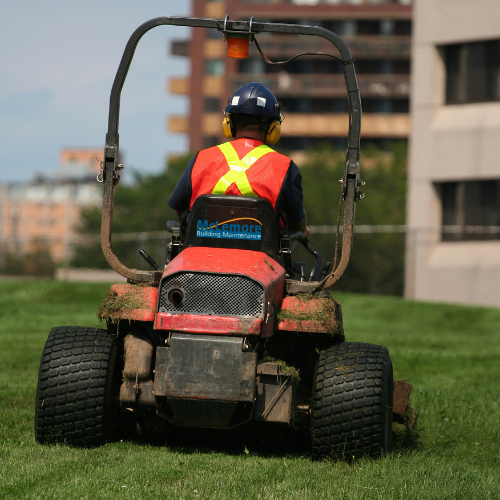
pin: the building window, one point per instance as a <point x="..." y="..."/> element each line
<point x="214" y="67"/>
<point x="213" y="34"/>
<point x="470" y="209"/>
<point x="252" y="66"/>
<point x="472" y="72"/>
<point x="210" y="141"/>
<point x="331" y="2"/>
<point x="212" y="105"/>
<point x="402" y="28"/>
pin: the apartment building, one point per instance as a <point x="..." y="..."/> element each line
<point x="46" y="210"/>
<point x="453" y="244"/>
<point x="311" y="89"/>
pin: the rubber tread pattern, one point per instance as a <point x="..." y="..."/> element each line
<point x="74" y="386"/>
<point x="349" y="410"/>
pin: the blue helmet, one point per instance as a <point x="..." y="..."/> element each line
<point x="254" y="99"/>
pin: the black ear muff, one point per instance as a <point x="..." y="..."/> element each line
<point x="228" y="127"/>
<point x="273" y="132"/>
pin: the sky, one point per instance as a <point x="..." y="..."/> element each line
<point x="58" y="59"/>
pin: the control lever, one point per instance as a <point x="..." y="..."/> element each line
<point x="176" y="228"/>
<point x="316" y="270"/>
<point x="300" y="267"/>
<point x="148" y="259"/>
<point x="326" y="269"/>
<point x="173" y="225"/>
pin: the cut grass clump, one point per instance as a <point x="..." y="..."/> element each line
<point x="114" y="307"/>
<point x="404" y="433"/>
<point x="324" y="313"/>
<point x="283" y="367"/>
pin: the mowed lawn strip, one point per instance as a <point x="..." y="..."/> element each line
<point x="451" y="354"/>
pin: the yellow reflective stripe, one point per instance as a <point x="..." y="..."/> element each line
<point x="229" y="153"/>
<point x="237" y="168"/>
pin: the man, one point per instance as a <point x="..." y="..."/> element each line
<point x="246" y="166"/>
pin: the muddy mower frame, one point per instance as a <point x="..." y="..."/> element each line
<point x="224" y="336"/>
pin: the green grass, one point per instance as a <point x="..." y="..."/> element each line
<point x="450" y="354"/>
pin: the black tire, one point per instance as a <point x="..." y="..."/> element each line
<point x="76" y="394"/>
<point x="352" y="402"/>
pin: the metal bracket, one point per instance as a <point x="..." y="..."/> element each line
<point x="116" y="177"/>
<point x="238" y="33"/>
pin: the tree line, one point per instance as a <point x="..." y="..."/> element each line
<point x="377" y="260"/>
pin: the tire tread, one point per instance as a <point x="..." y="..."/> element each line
<point x="73" y="394"/>
<point x="349" y="408"/>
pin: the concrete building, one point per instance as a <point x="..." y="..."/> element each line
<point x="46" y="210"/>
<point x="454" y="178"/>
<point x="311" y="89"/>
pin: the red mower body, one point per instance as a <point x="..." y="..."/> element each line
<point x="213" y="265"/>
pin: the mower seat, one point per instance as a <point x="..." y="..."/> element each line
<point x="240" y="222"/>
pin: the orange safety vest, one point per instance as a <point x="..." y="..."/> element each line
<point x="243" y="167"/>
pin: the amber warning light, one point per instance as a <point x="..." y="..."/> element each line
<point x="238" y="48"/>
<point x="238" y="42"/>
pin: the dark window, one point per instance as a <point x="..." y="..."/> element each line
<point x="210" y="141"/>
<point x="386" y="27"/>
<point x="214" y="67"/>
<point x="301" y="65"/>
<point x="468" y="207"/>
<point x="340" y="143"/>
<point x="377" y="106"/>
<point x="400" y="106"/>
<point x="252" y="65"/>
<point x="212" y="105"/>
<point x="385" y="105"/>
<point x="368" y="28"/>
<point x="313" y="105"/>
<point x="304" y="143"/>
<point x="213" y="34"/>
<point x="342" y="28"/>
<point x="340" y="106"/>
<point x="472" y="72"/>
<point x="402" y="28"/>
<point x="401" y="67"/>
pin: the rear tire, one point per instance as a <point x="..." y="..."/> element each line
<point x="77" y="387"/>
<point x="352" y="402"/>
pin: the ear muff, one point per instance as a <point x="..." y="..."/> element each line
<point x="273" y="132"/>
<point x="228" y="128"/>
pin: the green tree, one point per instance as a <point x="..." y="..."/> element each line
<point x="38" y="262"/>
<point x="377" y="260"/>
<point x="140" y="206"/>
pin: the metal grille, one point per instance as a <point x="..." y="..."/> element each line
<point x="214" y="294"/>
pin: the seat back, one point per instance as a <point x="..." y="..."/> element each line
<point x="240" y="222"/>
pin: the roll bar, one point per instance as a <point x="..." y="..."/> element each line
<point x="350" y="179"/>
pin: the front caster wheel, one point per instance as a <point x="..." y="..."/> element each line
<point x="352" y="402"/>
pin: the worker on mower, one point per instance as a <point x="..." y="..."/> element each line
<point x="246" y="166"/>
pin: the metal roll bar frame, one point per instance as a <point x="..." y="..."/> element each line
<point x="351" y="176"/>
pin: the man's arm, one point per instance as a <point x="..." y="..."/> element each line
<point x="292" y="202"/>
<point x="181" y="196"/>
<point x="299" y="226"/>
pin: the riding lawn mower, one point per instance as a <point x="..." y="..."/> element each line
<point x="232" y="332"/>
